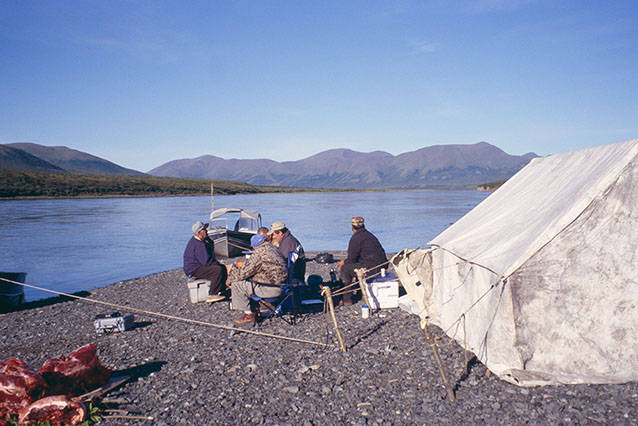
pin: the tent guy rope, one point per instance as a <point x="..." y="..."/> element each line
<point x="166" y="316"/>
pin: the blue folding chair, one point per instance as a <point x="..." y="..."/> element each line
<point x="270" y="307"/>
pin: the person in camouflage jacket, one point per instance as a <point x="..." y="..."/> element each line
<point x="266" y="269"/>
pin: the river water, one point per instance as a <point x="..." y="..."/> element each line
<point x="70" y="245"/>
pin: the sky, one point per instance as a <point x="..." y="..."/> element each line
<point x="141" y="83"/>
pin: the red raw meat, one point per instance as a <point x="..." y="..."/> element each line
<point x="77" y="372"/>
<point x="58" y="410"/>
<point x="19" y="386"/>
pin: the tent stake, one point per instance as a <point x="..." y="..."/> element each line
<point x="325" y="291"/>
<point x="439" y="362"/>
<point x="361" y="276"/>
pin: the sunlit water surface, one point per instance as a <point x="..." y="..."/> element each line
<point x="80" y="244"/>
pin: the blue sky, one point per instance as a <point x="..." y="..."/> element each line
<point x="141" y="82"/>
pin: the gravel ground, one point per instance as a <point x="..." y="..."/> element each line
<point x="185" y="374"/>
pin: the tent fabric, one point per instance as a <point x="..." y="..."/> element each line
<point x="542" y="273"/>
<point x="502" y="232"/>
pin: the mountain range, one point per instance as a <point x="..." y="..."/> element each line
<point x="439" y="166"/>
<point x="57" y="159"/>
<point x="435" y="167"/>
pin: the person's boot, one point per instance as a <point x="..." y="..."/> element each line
<point x="246" y="319"/>
<point x="212" y="298"/>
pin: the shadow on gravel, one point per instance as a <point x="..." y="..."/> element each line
<point x="308" y="312"/>
<point x="140" y="371"/>
<point x="141" y="324"/>
<point x="468" y="370"/>
<point x="367" y="334"/>
<point x="45" y="302"/>
<point x="312" y="308"/>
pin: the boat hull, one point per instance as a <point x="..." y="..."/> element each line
<point x="230" y="243"/>
<point x="11" y="295"/>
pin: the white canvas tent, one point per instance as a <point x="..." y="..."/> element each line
<point x="540" y="280"/>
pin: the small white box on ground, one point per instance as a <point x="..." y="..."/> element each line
<point x="198" y="289"/>
<point x="113" y="322"/>
<point x="383" y="295"/>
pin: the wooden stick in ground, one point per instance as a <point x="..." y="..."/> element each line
<point x="361" y="276"/>
<point x="325" y="291"/>
<point x="439" y="362"/>
<point x="117" y="416"/>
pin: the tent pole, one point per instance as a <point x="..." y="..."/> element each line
<point x="361" y="276"/>
<point x="439" y="362"/>
<point x="325" y="291"/>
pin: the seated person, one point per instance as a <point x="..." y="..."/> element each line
<point x="264" y="231"/>
<point x="288" y="244"/>
<point x="364" y="251"/>
<point x="200" y="262"/>
<point x="262" y="274"/>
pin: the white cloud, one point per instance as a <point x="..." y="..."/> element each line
<point x="424" y="46"/>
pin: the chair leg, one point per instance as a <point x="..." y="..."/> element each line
<point x="278" y="309"/>
<point x="267" y="305"/>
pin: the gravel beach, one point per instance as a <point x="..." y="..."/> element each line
<point x="188" y="374"/>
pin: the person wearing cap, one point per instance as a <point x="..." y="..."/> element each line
<point x="364" y="251"/>
<point x="262" y="274"/>
<point x="200" y="262"/>
<point x="290" y="248"/>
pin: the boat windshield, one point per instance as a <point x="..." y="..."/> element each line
<point x="239" y="219"/>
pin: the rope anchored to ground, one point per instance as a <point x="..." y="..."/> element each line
<point x="166" y="316"/>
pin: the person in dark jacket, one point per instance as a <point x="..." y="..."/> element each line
<point x="287" y="244"/>
<point x="364" y="251"/>
<point x="200" y="262"/>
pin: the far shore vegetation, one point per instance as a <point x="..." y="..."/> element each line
<point x="25" y="184"/>
<point x="491" y="186"/>
<point x="28" y="184"/>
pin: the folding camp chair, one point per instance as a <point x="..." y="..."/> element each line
<point x="290" y="299"/>
<point x="270" y="307"/>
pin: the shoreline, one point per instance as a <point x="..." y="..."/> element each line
<point x="84" y="196"/>
<point x="338" y="255"/>
<point x="299" y="191"/>
<point x="194" y="374"/>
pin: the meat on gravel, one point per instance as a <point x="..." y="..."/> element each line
<point x="19" y="386"/>
<point x="58" y="410"/>
<point x="77" y="372"/>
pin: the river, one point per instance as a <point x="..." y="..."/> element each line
<point x="70" y="245"/>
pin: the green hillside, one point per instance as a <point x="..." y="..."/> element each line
<point x="19" y="184"/>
